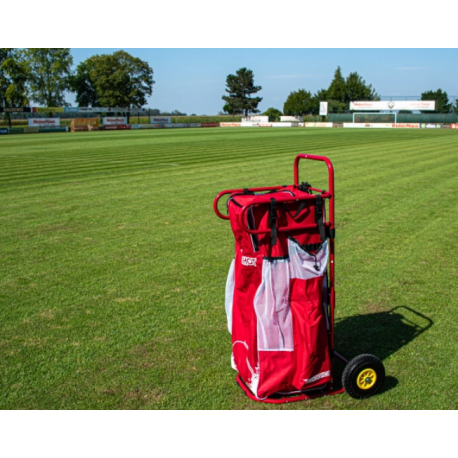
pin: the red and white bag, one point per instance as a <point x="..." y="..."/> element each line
<point x="276" y="291"/>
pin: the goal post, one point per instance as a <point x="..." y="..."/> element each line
<point x="375" y="118"/>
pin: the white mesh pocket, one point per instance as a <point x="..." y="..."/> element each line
<point x="303" y="264"/>
<point x="273" y="312"/>
<point x="271" y="303"/>
<point x="230" y="283"/>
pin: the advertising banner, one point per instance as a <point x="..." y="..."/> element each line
<point x="209" y="124"/>
<point x="46" y="130"/>
<point x="30" y="130"/>
<point x="115" y="121"/>
<point x="423" y="105"/>
<point x="453" y="126"/>
<point x="406" y="125"/>
<point x="44" y="122"/>
<point x="112" y="110"/>
<point x="277" y="124"/>
<point x="117" y="127"/>
<point x="378" y="125"/>
<point x="195" y="124"/>
<point x="249" y="124"/>
<point x="16" y="130"/>
<point x="432" y="126"/>
<point x="160" y="120"/>
<point x="16" y="110"/>
<point x="255" y="119"/>
<point x="3" y="131"/>
<point x="48" y="109"/>
<point x="102" y="110"/>
<point x="230" y="124"/>
<point x="318" y="124"/>
<point x="147" y="126"/>
<point x="71" y="109"/>
<point x="323" y="108"/>
<point x="291" y="118"/>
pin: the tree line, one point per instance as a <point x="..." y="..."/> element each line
<point x="45" y="75"/>
<point x="339" y="94"/>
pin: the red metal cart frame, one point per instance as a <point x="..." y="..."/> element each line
<point x="330" y="225"/>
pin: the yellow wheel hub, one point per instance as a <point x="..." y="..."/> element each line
<point x="366" y="379"/>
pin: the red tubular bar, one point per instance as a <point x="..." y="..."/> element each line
<point x="230" y="191"/>
<point x="330" y="179"/>
<point x="331" y="220"/>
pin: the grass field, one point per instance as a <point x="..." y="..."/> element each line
<point x="113" y="264"/>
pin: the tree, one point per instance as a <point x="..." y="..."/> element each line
<point x="273" y="113"/>
<point x="13" y="80"/>
<point x="337" y="90"/>
<point x="357" y="89"/>
<point x="50" y="73"/>
<point x="239" y="88"/>
<point x="113" y="80"/>
<point x="81" y="83"/>
<point x="298" y="103"/>
<point x="173" y="113"/>
<point x="336" y="94"/>
<point x="342" y="91"/>
<point x="441" y="98"/>
<point x="229" y="110"/>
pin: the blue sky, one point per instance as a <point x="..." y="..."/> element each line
<point x="193" y="80"/>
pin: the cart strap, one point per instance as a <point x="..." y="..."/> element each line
<point x="319" y="217"/>
<point x="273" y="221"/>
<point x="301" y="207"/>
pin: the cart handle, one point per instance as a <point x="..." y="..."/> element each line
<point x="296" y="182"/>
<point x="230" y="191"/>
<point x="330" y="179"/>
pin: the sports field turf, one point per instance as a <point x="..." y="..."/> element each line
<point x="113" y="264"/>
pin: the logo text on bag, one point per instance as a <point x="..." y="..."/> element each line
<point x="248" y="261"/>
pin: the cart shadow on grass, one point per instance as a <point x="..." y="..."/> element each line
<point x="380" y="334"/>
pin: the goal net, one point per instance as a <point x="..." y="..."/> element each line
<point x="79" y="124"/>
<point x="374" y="117"/>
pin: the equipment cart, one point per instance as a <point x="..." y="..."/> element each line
<point x="280" y="294"/>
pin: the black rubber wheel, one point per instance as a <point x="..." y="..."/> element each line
<point x="363" y="376"/>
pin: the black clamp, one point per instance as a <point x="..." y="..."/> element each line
<point x="319" y="216"/>
<point x="305" y="187"/>
<point x="273" y="220"/>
